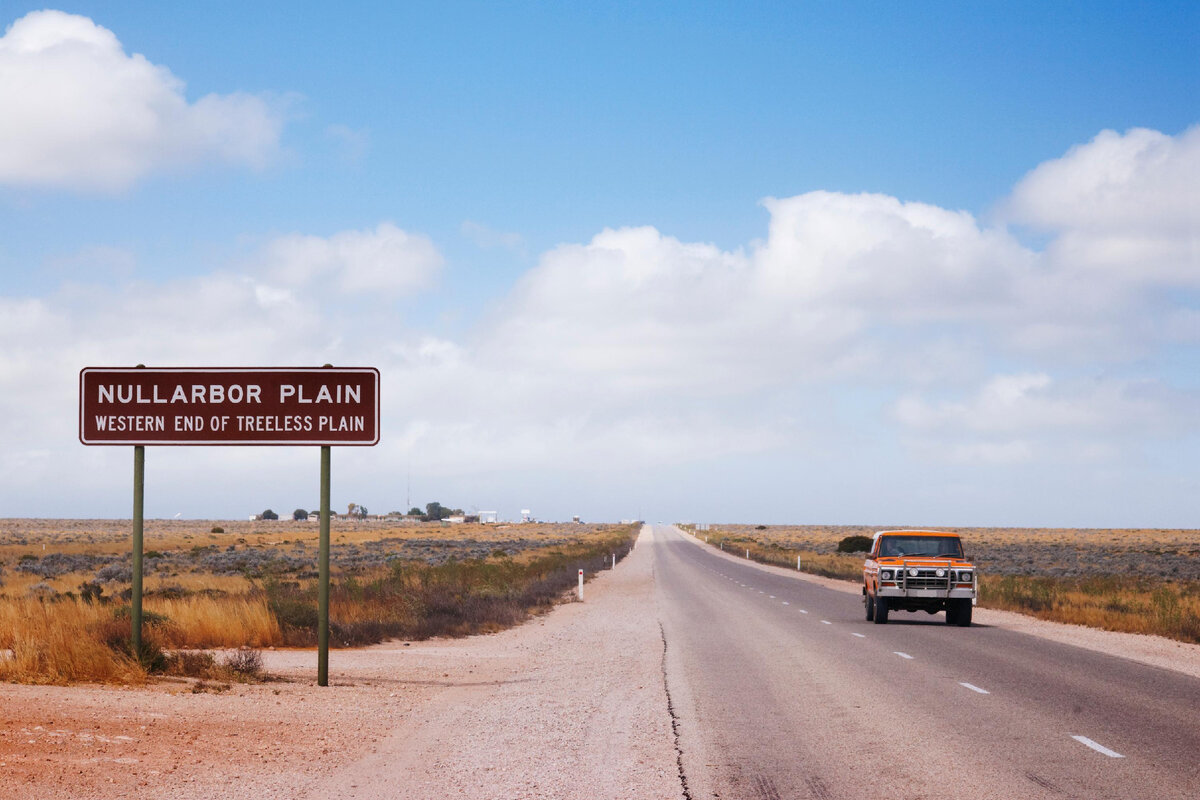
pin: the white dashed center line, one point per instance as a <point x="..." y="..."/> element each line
<point x="802" y="611"/>
<point x="786" y="603"/>
<point x="1099" y="748"/>
<point x="902" y="655"/>
<point x="859" y="635"/>
<point x="974" y="688"/>
<point x="826" y="622"/>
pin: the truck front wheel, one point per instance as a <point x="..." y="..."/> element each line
<point x="958" y="612"/>
<point x="881" y="610"/>
<point x="869" y="602"/>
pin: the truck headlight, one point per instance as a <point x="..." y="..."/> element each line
<point x="912" y="573"/>
<point x="885" y="574"/>
<point x="941" y="573"/>
<point x="964" y="576"/>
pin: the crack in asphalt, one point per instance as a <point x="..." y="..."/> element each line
<point x="683" y="783"/>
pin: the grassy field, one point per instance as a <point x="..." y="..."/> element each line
<point x="64" y="586"/>
<point x="1137" y="581"/>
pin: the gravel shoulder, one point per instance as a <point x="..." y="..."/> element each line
<point x="1155" y="651"/>
<point x="569" y="705"/>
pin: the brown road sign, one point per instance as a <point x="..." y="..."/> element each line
<point x="229" y="406"/>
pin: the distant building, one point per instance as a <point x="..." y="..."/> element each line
<point x="526" y="515"/>
<point x="490" y="517"/>
<point x="576" y="519"/>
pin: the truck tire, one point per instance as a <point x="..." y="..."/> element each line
<point x="958" y="612"/>
<point x="951" y="612"/>
<point x="881" y="610"/>
<point x="869" y="602"/>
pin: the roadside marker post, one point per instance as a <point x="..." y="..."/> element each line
<point x="797" y="563"/>
<point x="747" y="552"/>
<point x="142" y="406"/>
<point x="580" y="584"/>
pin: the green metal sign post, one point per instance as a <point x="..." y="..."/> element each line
<point x="139" y="493"/>
<point x="323" y="577"/>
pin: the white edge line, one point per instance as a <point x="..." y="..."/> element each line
<point x="1099" y="748"/>
<point x="902" y="655"/>
<point x="973" y="687"/>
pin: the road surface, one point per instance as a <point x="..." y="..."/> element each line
<point x="781" y="689"/>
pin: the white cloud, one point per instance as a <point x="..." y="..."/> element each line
<point x="897" y="261"/>
<point x="1124" y="206"/>
<point x="80" y="113"/>
<point x="844" y="286"/>
<point x="386" y="259"/>
<point x="1142" y="180"/>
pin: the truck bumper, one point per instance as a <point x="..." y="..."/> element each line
<point x="964" y="593"/>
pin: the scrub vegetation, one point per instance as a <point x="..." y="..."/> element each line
<point x="65" y="589"/>
<point x="1135" y="581"/>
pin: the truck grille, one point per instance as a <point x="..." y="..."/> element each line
<point x="926" y="579"/>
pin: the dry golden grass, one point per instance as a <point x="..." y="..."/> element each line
<point x="58" y="643"/>
<point x="201" y="621"/>
<point x="1131" y="605"/>
<point x="53" y="629"/>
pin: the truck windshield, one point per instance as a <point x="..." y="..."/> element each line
<point x="920" y="546"/>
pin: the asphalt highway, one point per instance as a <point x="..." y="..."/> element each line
<point x="780" y="688"/>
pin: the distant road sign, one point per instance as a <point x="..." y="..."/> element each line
<point x="229" y="406"/>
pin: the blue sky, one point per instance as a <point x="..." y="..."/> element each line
<point x="497" y="141"/>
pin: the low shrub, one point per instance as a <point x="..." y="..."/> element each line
<point x="245" y="665"/>
<point x="855" y="544"/>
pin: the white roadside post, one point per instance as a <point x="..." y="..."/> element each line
<point x="580" y="584"/>
<point x="614" y="555"/>
<point x="797" y="563"/>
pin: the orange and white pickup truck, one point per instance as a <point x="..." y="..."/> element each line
<point x="919" y="571"/>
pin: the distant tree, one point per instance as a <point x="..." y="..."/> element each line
<point x="415" y="512"/>
<point x="352" y="509"/>
<point x="269" y="514"/>
<point x="299" y="514"/>
<point x="433" y="511"/>
<point x="361" y="512"/>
